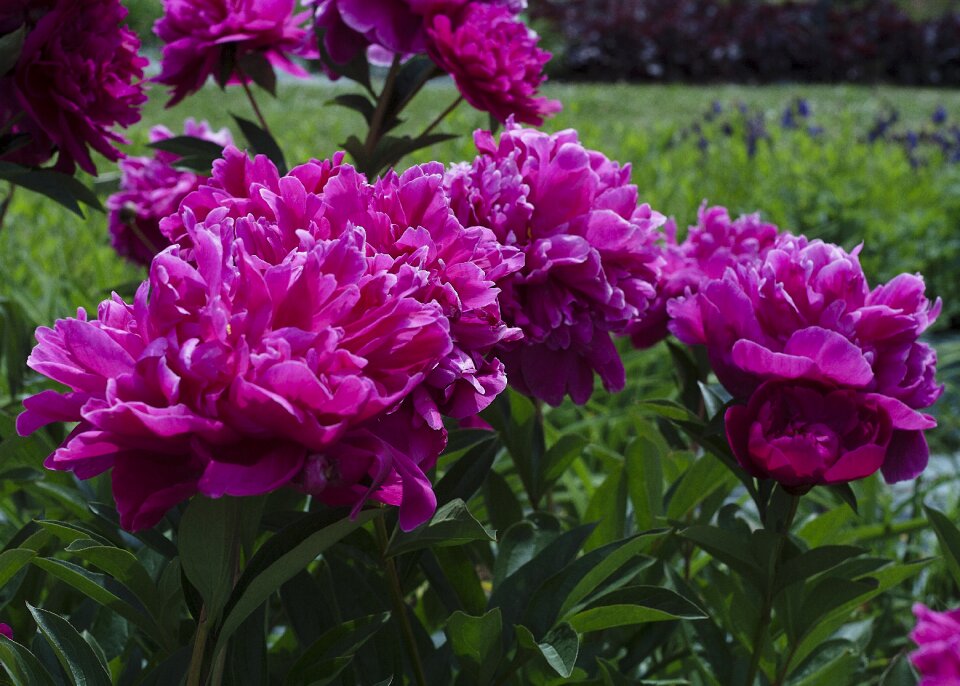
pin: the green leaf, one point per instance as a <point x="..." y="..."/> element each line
<point x="262" y="143"/>
<point x="839" y="670"/>
<point x="198" y="154"/>
<point x="467" y="474"/>
<point x="122" y="566"/>
<point x="257" y="67"/>
<point x="75" y="655"/>
<point x="700" y="481"/>
<point x="608" y="507"/>
<point x="503" y="507"/>
<point x="559" y="648"/>
<point x="24" y="669"/>
<point x="520" y="426"/>
<point x="356" y="102"/>
<point x="452" y="525"/>
<point x="68" y="532"/>
<point x="209" y="544"/>
<point x="846" y="494"/>
<point x="278" y="560"/>
<point x="477" y="643"/>
<point x="635" y="605"/>
<point x="727" y="547"/>
<point x="12" y="561"/>
<point x="333" y="651"/>
<point x="560" y="456"/>
<point x="11" y="45"/>
<point x="643" y="461"/>
<point x="813" y="562"/>
<point x="357" y="69"/>
<point x="828" y="595"/>
<point x="92" y="586"/>
<point x="949" y="537"/>
<point x="59" y="187"/>
<point x="461" y="574"/>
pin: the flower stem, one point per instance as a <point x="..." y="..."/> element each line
<point x="195" y="672"/>
<point x="253" y="102"/>
<point x="5" y="205"/>
<point x="399" y="606"/>
<point x="374" y="133"/>
<point x="443" y="115"/>
<point x="766" y="612"/>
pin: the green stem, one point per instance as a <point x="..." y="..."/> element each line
<point x="195" y="672"/>
<point x="374" y="133"/>
<point x="443" y="115"/>
<point x="763" y="624"/>
<point x="399" y="606"/>
<point x="5" y="206"/>
<point x="253" y="101"/>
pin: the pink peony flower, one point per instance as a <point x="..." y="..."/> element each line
<point x="151" y="189"/>
<point x="937" y="635"/>
<point x="77" y="77"/>
<point x="803" y="435"/>
<point x="805" y="312"/>
<point x="494" y="60"/>
<point x="715" y="243"/>
<point x="591" y="262"/>
<point x="308" y="330"/>
<point x="214" y="37"/>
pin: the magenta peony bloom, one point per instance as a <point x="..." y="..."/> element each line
<point x="714" y="244"/>
<point x="307" y="329"/>
<point x="494" y="59"/>
<point x="6" y="630"/>
<point x="77" y="77"/>
<point x="803" y="435"/>
<point x="805" y="312"/>
<point x="214" y="37"/>
<point x="937" y="635"/>
<point x="151" y="189"/>
<point x="591" y="262"/>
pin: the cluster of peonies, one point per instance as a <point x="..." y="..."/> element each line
<point x="68" y="89"/>
<point x="151" y="189"/>
<point x="592" y="262"/>
<point x="938" y="636"/>
<point x="832" y="372"/>
<point x="306" y="330"/>
<point x="230" y="40"/>
<point x="491" y="54"/>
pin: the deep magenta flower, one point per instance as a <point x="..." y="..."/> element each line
<point x="805" y="313"/>
<point x="803" y="434"/>
<point x="307" y="329"/>
<point x="215" y="37"/>
<point x="78" y="76"/>
<point x="591" y="263"/>
<point x="151" y="188"/>
<point x="6" y="630"/>
<point x="937" y="635"/>
<point x="715" y="243"/>
<point x="494" y="59"/>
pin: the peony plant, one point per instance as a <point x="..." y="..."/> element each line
<point x="349" y="428"/>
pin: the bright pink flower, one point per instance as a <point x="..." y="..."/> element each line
<point x="494" y="60"/>
<point x="308" y="329"/>
<point x="151" y="189"/>
<point x="216" y="37"/>
<point x="805" y="313"/>
<point x="803" y="435"/>
<point x="591" y="262"/>
<point x="715" y="243"/>
<point x="937" y="635"/>
<point x="78" y="76"/>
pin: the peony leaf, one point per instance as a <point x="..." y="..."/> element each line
<point x="333" y="651"/>
<point x="635" y="605"/>
<point x="24" y="669"/>
<point x="478" y="644"/>
<point x="208" y="541"/>
<point x="59" y="187"/>
<point x="256" y="67"/>
<point x="559" y="648"/>
<point x="281" y="558"/>
<point x="77" y="657"/>
<point x="11" y="45"/>
<point x="357" y="69"/>
<point x="195" y="153"/>
<point x="262" y="143"/>
<point x="357" y="103"/>
<point x="465" y="476"/>
<point x="949" y="537"/>
<point x="452" y="525"/>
